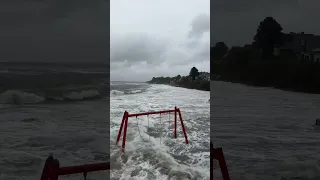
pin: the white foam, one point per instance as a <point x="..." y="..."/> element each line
<point x="136" y="91"/>
<point x="19" y="97"/>
<point x="193" y="104"/>
<point x="116" y="93"/>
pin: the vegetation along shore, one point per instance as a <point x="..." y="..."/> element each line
<point x="288" y="61"/>
<point x="195" y="80"/>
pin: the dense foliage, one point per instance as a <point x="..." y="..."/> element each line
<point x="195" y="80"/>
<point x="256" y="65"/>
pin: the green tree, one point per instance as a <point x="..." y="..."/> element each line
<point x="194" y="73"/>
<point x="269" y="35"/>
<point x="218" y="51"/>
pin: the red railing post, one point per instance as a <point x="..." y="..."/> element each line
<point x="175" y="122"/>
<point x="182" y="125"/>
<point x="125" y="131"/>
<point x="217" y="153"/>
<point x="126" y="115"/>
<point x="121" y="126"/>
<point x="50" y="169"/>
<point x="46" y="168"/>
<point x="223" y="165"/>
<point x="54" y="170"/>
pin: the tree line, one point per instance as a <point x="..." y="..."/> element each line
<point x="194" y="80"/>
<point x="256" y="64"/>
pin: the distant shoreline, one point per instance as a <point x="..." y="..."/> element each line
<point x="188" y="88"/>
<point x="288" y="89"/>
<point x="200" y="83"/>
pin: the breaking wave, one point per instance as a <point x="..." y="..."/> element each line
<point x="119" y="93"/>
<point x="116" y="93"/>
<point x="19" y="97"/>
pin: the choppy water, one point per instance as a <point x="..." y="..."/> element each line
<point x="56" y="110"/>
<point x="266" y="133"/>
<point x="156" y="154"/>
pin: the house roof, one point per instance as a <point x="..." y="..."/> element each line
<point x="312" y="42"/>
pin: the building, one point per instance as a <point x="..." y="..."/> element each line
<point x="304" y="46"/>
<point x="204" y="76"/>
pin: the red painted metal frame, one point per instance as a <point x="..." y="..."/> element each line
<point x="217" y="153"/>
<point x="52" y="169"/>
<point x="126" y="115"/>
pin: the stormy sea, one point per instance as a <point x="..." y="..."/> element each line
<point x="265" y="133"/>
<point x="59" y="109"/>
<point x="151" y="150"/>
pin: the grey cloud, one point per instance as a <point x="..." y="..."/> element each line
<point x="199" y="53"/>
<point x="171" y="39"/>
<point x="192" y="43"/>
<point x="203" y="54"/>
<point x="135" y="47"/>
<point x="200" y="25"/>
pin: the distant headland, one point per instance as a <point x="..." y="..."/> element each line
<point x="195" y="80"/>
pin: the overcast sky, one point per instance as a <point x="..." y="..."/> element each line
<point x="155" y="38"/>
<point x="54" y="30"/>
<point x="235" y="21"/>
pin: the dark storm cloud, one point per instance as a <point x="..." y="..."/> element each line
<point x="235" y="22"/>
<point x="69" y="30"/>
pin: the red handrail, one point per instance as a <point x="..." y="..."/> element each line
<point x="151" y="112"/>
<point x="83" y="168"/>
<point x="52" y="169"/>
<point x="126" y="115"/>
<point x="217" y="153"/>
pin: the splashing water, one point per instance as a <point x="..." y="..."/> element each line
<point x="153" y="153"/>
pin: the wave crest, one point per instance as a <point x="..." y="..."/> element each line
<point x="130" y="91"/>
<point x="19" y="97"/>
<point x="116" y="93"/>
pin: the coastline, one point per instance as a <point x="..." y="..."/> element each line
<point x="200" y="82"/>
<point x="252" y="84"/>
<point x="173" y="85"/>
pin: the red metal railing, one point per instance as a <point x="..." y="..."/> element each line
<point x="52" y="169"/>
<point x="217" y="153"/>
<point x="126" y="115"/>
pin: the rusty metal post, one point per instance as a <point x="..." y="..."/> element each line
<point x="125" y="131"/>
<point x="183" y="129"/>
<point x="121" y="126"/>
<point x="217" y="154"/>
<point x="175" y="122"/>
